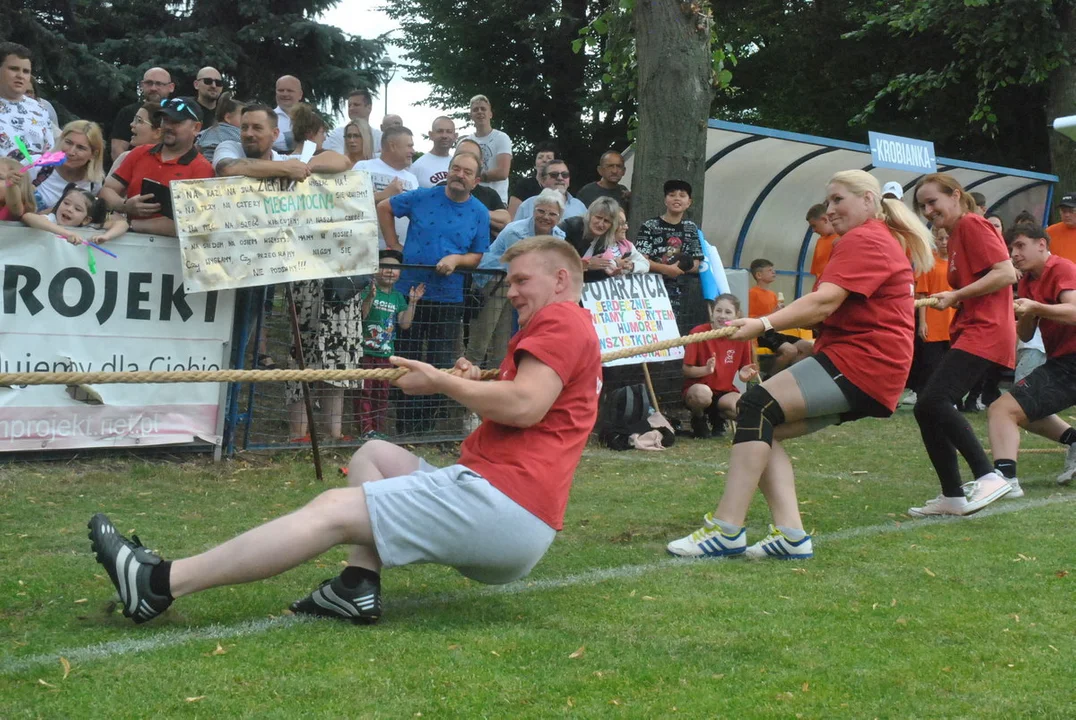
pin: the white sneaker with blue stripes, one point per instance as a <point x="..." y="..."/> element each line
<point x="778" y="546"/>
<point x="709" y="541"/>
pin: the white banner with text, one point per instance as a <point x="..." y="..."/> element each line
<point x="62" y="313"/>
<point x="242" y="232"/>
<point x="630" y="311"/>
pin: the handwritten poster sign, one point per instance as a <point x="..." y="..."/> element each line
<point x="630" y="311"/>
<point x="240" y="232"/>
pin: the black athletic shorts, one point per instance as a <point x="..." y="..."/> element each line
<point x="771" y="340"/>
<point x="1049" y="389"/>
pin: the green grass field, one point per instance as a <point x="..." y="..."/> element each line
<point x="893" y="618"/>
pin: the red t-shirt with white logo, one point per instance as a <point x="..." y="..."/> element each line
<point x="871" y="335"/>
<point x="983" y="325"/>
<point x="731" y="356"/>
<point x="534" y="466"/>
<point x="1057" y="276"/>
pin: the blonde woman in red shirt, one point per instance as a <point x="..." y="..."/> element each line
<point x="864" y="304"/>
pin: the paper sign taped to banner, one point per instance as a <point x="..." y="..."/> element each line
<point x="630" y="311"/>
<point x="241" y="232"/>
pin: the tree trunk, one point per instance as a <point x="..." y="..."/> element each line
<point x="1061" y="101"/>
<point x="672" y="46"/>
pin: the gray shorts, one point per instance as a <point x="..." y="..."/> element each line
<point x="823" y="398"/>
<point x="453" y="516"/>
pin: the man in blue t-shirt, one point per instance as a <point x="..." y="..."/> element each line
<point x="448" y="229"/>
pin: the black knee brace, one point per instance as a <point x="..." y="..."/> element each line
<point x="758" y="415"/>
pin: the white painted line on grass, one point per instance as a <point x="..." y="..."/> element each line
<point x="172" y="638"/>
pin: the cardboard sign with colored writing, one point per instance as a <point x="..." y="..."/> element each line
<point x="630" y="311"/>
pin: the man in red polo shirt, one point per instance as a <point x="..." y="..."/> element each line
<point x="175" y="158"/>
<point x="1048" y="302"/>
<point x="492" y="515"/>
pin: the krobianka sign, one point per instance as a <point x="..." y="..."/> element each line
<point x="900" y="153"/>
<point x="241" y="232"/>
<point x="131" y="314"/>
<point x="630" y="311"/>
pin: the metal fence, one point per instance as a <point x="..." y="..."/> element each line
<point x="272" y="416"/>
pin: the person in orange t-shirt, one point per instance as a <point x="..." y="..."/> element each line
<point x="760" y="299"/>
<point x="1063" y="234"/>
<point x="933" y="323"/>
<point x="816" y="218"/>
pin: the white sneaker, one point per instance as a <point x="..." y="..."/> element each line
<point x="984" y="491"/>
<point x="941" y="505"/>
<point x="1015" y="491"/>
<point x="909" y="399"/>
<point x="778" y="545"/>
<point x="709" y="541"/>
<point x="1070" y="467"/>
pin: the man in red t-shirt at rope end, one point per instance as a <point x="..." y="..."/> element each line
<point x="492" y="516"/>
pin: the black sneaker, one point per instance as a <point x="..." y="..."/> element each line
<point x="129" y="565"/>
<point x="717" y="421"/>
<point x="360" y="604"/>
<point x="700" y="426"/>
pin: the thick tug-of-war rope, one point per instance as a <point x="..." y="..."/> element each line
<point x="313" y="375"/>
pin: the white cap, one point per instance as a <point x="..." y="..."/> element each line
<point x="893" y="188"/>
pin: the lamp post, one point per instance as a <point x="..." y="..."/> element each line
<point x="388" y="69"/>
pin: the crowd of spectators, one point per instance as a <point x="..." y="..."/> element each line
<point x="452" y="210"/>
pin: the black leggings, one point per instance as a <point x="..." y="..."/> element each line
<point x="945" y="430"/>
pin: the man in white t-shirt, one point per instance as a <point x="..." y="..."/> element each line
<point x="254" y="156"/>
<point x="496" y="147"/>
<point x="389" y="174"/>
<point x="20" y="115"/>
<point x="432" y="168"/>
<point x="289" y="91"/>
<point x="359" y="105"/>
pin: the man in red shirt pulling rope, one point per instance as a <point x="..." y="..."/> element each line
<point x="492" y="516"/>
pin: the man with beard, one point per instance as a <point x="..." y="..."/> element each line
<point x="209" y="85"/>
<point x="254" y="156"/>
<point x="174" y="158"/>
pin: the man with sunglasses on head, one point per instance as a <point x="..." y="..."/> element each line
<point x="174" y="158"/>
<point x="554" y="175"/>
<point x="156" y="86"/>
<point x="208" y="85"/>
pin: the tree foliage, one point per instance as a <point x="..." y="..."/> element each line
<point x="90" y="55"/>
<point x="972" y="75"/>
<point x="519" y="54"/>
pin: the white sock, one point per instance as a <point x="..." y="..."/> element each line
<point x="728" y="528"/>
<point x="792" y="533"/>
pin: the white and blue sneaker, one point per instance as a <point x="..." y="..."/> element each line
<point x="709" y="541"/>
<point x="779" y="546"/>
